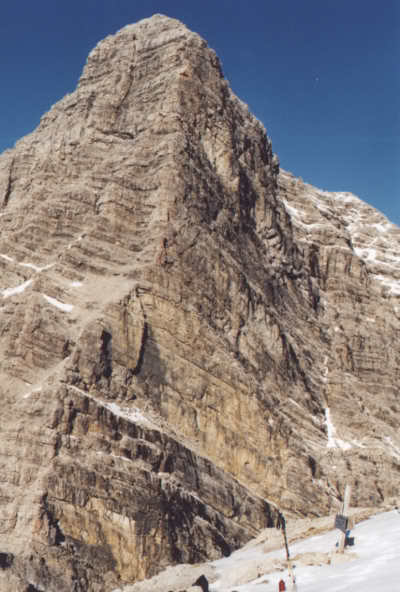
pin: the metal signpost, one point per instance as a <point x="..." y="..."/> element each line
<point x="341" y="520"/>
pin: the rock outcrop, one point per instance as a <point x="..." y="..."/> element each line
<point x="189" y="338"/>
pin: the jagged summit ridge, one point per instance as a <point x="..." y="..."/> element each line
<point x="186" y="343"/>
<point x="370" y="234"/>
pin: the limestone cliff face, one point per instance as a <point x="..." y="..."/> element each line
<point x="189" y="337"/>
<point x="352" y="255"/>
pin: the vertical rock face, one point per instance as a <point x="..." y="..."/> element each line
<point x="189" y="337"/>
<point x="352" y="255"/>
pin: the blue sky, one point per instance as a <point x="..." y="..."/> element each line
<point x="323" y="76"/>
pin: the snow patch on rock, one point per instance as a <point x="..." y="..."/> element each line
<point x="333" y="441"/>
<point x="17" y="290"/>
<point x="60" y="305"/>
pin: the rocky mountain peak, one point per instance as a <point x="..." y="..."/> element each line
<point x="190" y="337"/>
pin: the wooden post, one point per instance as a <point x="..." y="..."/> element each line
<point x="282" y="522"/>
<point x="345" y="509"/>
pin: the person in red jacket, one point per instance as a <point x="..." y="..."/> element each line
<point x="282" y="586"/>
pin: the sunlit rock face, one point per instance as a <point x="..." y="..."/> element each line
<point x="189" y="337"/>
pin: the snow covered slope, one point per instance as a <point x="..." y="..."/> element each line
<point x="371" y="565"/>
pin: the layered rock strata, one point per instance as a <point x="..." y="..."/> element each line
<point x="188" y="337"/>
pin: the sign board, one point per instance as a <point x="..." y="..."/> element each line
<point x="341" y="522"/>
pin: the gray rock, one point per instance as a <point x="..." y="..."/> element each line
<point x="176" y="318"/>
